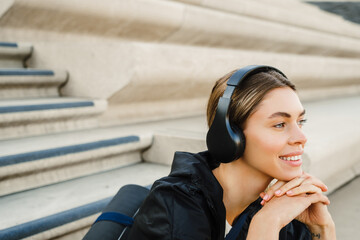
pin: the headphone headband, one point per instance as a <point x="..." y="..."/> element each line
<point x="224" y="141"/>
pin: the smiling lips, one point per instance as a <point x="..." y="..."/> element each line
<point x="292" y="158"/>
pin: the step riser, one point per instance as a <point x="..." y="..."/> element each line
<point x="11" y="63"/>
<point x="76" y="167"/>
<point x="57" y="205"/>
<point x="28" y="92"/>
<point x="75" y="230"/>
<point x="32" y="123"/>
<point x="26" y="86"/>
<point x="14" y="57"/>
<point x="22" y="128"/>
<point x="24" y="164"/>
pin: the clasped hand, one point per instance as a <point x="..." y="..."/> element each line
<point x="301" y="198"/>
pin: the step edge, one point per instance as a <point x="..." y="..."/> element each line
<point x="55" y="220"/>
<point x="65" y="150"/>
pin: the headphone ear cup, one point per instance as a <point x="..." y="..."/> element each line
<point x="240" y="145"/>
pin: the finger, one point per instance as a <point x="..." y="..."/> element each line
<point x="318" y="197"/>
<point x="316" y="182"/>
<point x="271" y="191"/>
<point x="303" y="188"/>
<point x="290" y="185"/>
<point x="262" y="194"/>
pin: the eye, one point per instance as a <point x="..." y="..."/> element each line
<point x="280" y="125"/>
<point x="302" y="122"/>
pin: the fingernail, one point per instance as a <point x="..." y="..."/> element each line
<point x="266" y="197"/>
<point x="289" y="192"/>
<point x="278" y="192"/>
<point x="326" y="188"/>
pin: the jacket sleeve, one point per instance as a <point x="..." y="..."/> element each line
<point x="171" y="213"/>
<point x="295" y="230"/>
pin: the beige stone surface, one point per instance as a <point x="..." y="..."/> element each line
<point x="49" y="200"/>
<point x="18" y="87"/>
<point x="345" y="210"/>
<point x="291" y="13"/>
<point x="31" y="123"/>
<point x="70" y="167"/>
<point x="144" y="75"/>
<point x="45" y="171"/>
<point x="11" y="57"/>
<point x="5" y="5"/>
<point x="166" y="143"/>
<point x="173" y="22"/>
<point x="334" y="135"/>
<point x="70" y="231"/>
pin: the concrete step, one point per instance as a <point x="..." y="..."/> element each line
<point x="27" y="163"/>
<point x="288" y="13"/>
<point x="332" y="152"/>
<point x="38" y="161"/>
<point x="36" y="116"/>
<point x="27" y="83"/>
<point x="13" y="55"/>
<point x="178" y="23"/>
<point x="65" y="207"/>
<point x="345" y="210"/>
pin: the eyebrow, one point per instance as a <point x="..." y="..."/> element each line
<point x="284" y="114"/>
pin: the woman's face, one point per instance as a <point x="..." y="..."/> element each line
<point x="275" y="130"/>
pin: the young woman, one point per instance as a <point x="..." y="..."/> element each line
<point x="203" y="197"/>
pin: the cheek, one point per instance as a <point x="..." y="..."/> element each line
<point x="265" y="144"/>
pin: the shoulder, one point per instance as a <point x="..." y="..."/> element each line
<point x="173" y="210"/>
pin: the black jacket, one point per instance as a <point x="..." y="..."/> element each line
<point x="188" y="204"/>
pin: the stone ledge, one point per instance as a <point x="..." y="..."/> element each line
<point x="60" y="162"/>
<point x="30" y="83"/>
<point x="333" y="138"/>
<point x="15" y="56"/>
<point x="31" y="117"/>
<point x="148" y="75"/>
<point x="44" y="203"/>
<point x="5" y="5"/>
<point x="166" y="143"/>
<point x="144" y="75"/>
<point x="290" y="13"/>
<point x="171" y="22"/>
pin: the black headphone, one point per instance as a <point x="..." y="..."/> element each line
<point x="226" y="142"/>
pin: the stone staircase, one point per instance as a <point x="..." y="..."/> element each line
<point x="58" y="169"/>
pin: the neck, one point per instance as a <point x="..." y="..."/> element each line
<point x="241" y="185"/>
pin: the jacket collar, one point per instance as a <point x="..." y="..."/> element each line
<point x="194" y="167"/>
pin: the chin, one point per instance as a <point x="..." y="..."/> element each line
<point x="289" y="176"/>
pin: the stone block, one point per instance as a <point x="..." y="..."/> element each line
<point x="167" y="142"/>
<point x="19" y="118"/>
<point x="5" y="5"/>
<point x="20" y="83"/>
<point x="51" y="201"/>
<point x="173" y="22"/>
<point x="14" y="56"/>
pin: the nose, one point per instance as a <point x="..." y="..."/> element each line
<point x="297" y="136"/>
